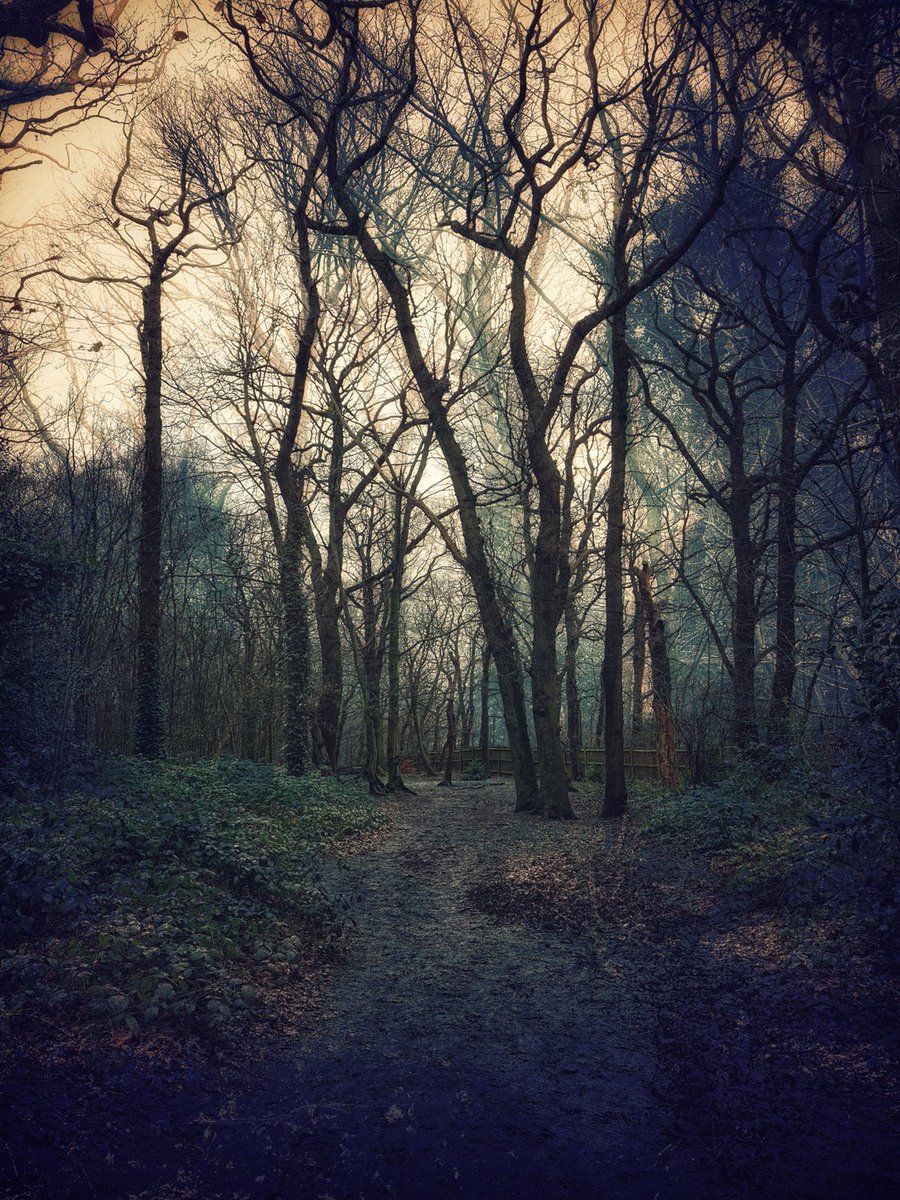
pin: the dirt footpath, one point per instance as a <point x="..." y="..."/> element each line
<point x="464" y="1052"/>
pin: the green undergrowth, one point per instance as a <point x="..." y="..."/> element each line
<point x="820" y="852"/>
<point x="167" y="896"/>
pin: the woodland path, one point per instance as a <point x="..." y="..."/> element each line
<point x="461" y="1053"/>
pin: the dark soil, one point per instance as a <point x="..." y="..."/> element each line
<point x="528" y="1010"/>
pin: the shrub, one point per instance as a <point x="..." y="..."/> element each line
<point x="475" y="770"/>
<point x="165" y="893"/>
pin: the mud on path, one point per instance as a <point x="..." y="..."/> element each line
<point x="464" y="1052"/>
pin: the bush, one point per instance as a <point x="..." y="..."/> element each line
<point x="475" y="770"/>
<point x="167" y="894"/>
<point x="742" y="806"/>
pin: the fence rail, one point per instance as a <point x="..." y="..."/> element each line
<point x="640" y="762"/>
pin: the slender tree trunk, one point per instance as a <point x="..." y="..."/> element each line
<point x="615" y="796"/>
<point x="450" y="744"/>
<point x="662" y="681"/>
<point x="638" y="658"/>
<point x="395" y="597"/>
<point x="484" y="733"/>
<point x="546" y="610"/>
<point x="574" y="727"/>
<point x="745" y="728"/>
<point x="786" y="571"/>
<point x="150" y="731"/>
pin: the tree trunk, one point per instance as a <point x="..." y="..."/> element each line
<point x="638" y="658"/>
<point x="395" y="598"/>
<point x="574" y="728"/>
<point x="615" y="795"/>
<point x="296" y="716"/>
<point x="662" y="681"/>
<point x="450" y="744"/>
<point x="150" y="733"/>
<point x="745" y="730"/>
<point x="550" y="567"/>
<point x="786" y="571"/>
<point x="484" y="733"/>
<point x="296" y="713"/>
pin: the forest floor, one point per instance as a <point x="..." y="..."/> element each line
<point x="527" y="1010"/>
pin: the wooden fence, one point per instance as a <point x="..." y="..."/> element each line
<point x="640" y="762"/>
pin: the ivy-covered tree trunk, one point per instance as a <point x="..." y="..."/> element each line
<point x="638" y="658"/>
<point x="150" y="726"/>
<point x="296" y="665"/>
<point x="296" y="714"/>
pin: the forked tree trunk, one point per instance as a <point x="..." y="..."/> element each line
<point x="150" y="725"/>
<point x="662" y="681"/>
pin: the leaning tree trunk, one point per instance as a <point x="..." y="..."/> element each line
<point x="498" y="630"/>
<point x="615" y="795"/>
<point x="149" y="733"/>
<point x="662" y="681"/>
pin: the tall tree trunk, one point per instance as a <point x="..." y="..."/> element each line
<point x="662" y="681"/>
<point x="296" y="711"/>
<point x="484" y="732"/>
<point x="546" y="610"/>
<point x="745" y="728"/>
<point x="395" y="599"/>
<point x="574" y="728"/>
<point x="150" y="726"/>
<point x="550" y="568"/>
<point x="615" y="795"/>
<point x="786" y="568"/>
<point x="296" y="717"/>
<point x="331" y="690"/>
<point x="450" y="744"/>
<point x="638" y="658"/>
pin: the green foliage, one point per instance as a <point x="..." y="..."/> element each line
<point x="817" y="848"/>
<point x="743" y="806"/>
<point x="167" y="894"/>
<point x="475" y="770"/>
